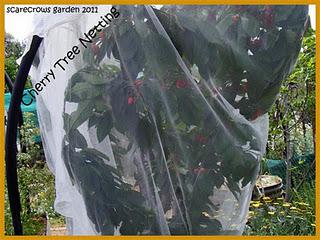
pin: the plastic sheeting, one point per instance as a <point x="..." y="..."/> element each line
<point x="158" y="123"/>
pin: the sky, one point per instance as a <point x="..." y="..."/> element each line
<point x="20" y="25"/>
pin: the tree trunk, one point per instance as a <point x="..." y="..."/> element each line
<point x="314" y="135"/>
<point x="304" y="133"/>
<point x="288" y="164"/>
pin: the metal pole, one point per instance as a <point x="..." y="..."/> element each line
<point x="11" y="135"/>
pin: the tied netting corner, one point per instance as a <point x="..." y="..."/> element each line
<point x="157" y="122"/>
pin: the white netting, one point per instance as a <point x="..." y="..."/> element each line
<point x="159" y="124"/>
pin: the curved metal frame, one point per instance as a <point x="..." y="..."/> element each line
<point x="9" y="83"/>
<point x="11" y="134"/>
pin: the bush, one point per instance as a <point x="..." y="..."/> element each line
<point x="277" y="217"/>
<point x="36" y="184"/>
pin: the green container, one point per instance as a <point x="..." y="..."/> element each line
<point x="29" y="106"/>
<point x="300" y="163"/>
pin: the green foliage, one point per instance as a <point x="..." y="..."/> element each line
<point x="36" y="184"/>
<point x="12" y="46"/>
<point x="307" y="194"/>
<point x="277" y="218"/>
<point x="11" y="66"/>
<point x="13" y="51"/>
<point x="110" y="98"/>
<point x="230" y="53"/>
<point x="295" y="107"/>
<point x="149" y="97"/>
<point x="292" y="116"/>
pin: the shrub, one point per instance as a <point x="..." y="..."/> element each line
<point x="277" y="217"/>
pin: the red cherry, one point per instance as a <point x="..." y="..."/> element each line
<point x="256" y="114"/>
<point x="138" y="83"/>
<point x="267" y="16"/>
<point x="199" y="170"/>
<point x="267" y="9"/>
<point x="102" y="35"/>
<point x="95" y="49"/>
<point x="163" y="86"/>
<point x="131" y="100"/>
<point x="181" y="84"/>
<point x="267" y="20"/>
<point x="200" y="138"/>
<point x="245" y="87"/>
<point x="212" y="17"/>
<point x="214" y="91"/>
<point x="255" y="42"/>
<point x="235" y="18"/>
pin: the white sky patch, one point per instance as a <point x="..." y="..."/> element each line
<point x="18" y="24"/>
<point x="312" y="13"/>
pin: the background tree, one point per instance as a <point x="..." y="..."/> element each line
<point x="292" y="118"/>
<point x="13" y="51"/>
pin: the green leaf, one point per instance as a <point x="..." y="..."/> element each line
<point x="77" y="140"/>
<point x="76" y="78"/>
<point x="218" y="179"/>
<point x="66" y="121"/>
<point x="224" y="24"/>
<point x="291" y="37"/>
<point x="81" y="90"/>
<point x="189" y="109"/>
<point x="95" y="152"/>
<point x="188" y="22"/>
<point x="94" y="76"/>
<point x="83" y="112"/>
<point x="282" y="12"/>
<point x="104" y="126"/>
<point x="84" y="90"/>
<point x="250" y="25"/>
<point x="88" y="56"/>
<point x="100" y="105"/>
<point x="123" y="28"/>
<point x="93" y="120"/>
<point x="158" y="59"/>
<point x="128" y="44"/>
<point x="144" y="134"/>
<point x="270" y="38"/>
<point x="210" y="33"/>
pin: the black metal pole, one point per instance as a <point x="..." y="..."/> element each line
<point x="9" y="83"/>
<point x="20" y="123"/>
<point x="11" y="134"/>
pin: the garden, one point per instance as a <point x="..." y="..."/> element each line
<point x="123" y="106"/>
